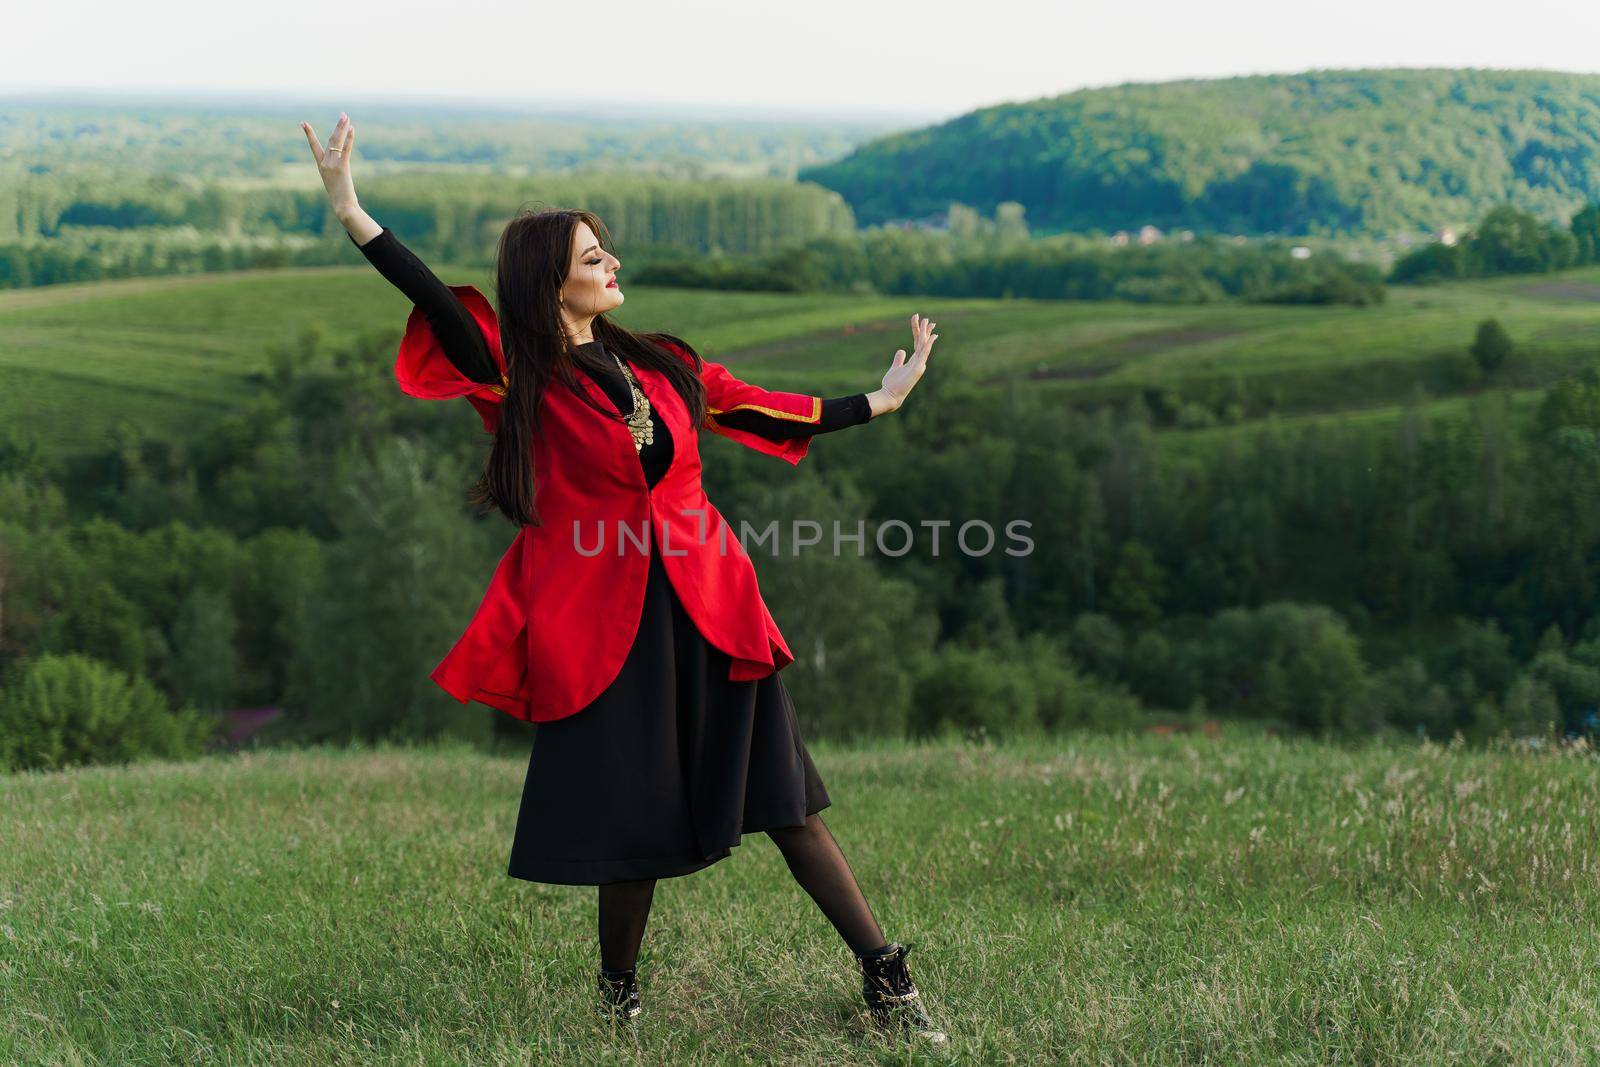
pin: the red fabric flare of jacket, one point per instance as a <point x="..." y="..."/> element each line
<point x="560" y="616"/>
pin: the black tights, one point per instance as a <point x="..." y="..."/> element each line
<point x="815" y="861"/>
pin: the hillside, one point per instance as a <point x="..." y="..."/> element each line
<point x="171" y="353"/>
<point x="1338" y="151"/>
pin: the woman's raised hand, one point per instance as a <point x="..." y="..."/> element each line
<point x="333" y="163"/>
<point x="904" y="373"/>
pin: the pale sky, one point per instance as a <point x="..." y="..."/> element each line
<point x="931" y="58"/>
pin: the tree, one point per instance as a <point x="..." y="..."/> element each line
<point x="68" y="710"/>
<point x="1289" y="662"/>
<point x="976" y="691"/>
<point x="854" y="669"/>
<point x="1010" y="227"/>
<point x="1138" y="585"/>
<point x="1572" y="401"/>
<point x="1491" y="347"/>
<point x="1586" y="231"/>
<point x="205" y="661"/>
<point x="401" y="582"/>
<point x="1509" y="241"/>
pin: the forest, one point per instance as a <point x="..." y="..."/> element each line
<point x="1320" y="152"/>
<point x="312" y="551"/>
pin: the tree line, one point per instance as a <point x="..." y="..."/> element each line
<point x="752" y="235"/>
<point x="99" y="226"/>
<point x="1506" y="241"/>
<point x="1209" y="269"/>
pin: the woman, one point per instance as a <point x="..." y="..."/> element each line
<point x="652" y="674"/>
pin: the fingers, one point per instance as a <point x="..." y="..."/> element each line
<point x="344" y="132"/>
<point x="333" y="138"/>
<point x="923" y="336"/>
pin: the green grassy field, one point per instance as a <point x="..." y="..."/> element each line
<point x="170" y="353"/>
<point x="1137" y="900"/>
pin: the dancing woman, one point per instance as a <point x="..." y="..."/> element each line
<point x="664" y="732"/>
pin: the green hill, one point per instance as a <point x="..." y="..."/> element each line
<point x="1336" y="151"/>
<point x="170" y="353"/>
<point x="167" y="354"/>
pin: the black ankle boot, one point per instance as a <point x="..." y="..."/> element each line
<point x="893" y="998"/>
<point x="619" y="994"/>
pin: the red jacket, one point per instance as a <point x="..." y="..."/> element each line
<point x="556" y="624"/>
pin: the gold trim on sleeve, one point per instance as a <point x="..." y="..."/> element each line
<point x="815" y="416"/>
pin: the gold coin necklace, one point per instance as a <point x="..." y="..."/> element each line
<point x="639" y="423"/>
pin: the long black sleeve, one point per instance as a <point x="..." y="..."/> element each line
<point x="454" y="326"/>
<point x="837" y="413"/>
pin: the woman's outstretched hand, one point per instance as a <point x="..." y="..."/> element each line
<point x="905" y="372"/>
<point x="333" y="163"/>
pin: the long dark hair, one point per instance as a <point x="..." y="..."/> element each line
<point x="531" y="265"/>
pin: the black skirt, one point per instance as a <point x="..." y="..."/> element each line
<point x="663" y="772"/>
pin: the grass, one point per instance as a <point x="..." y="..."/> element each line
<point x="1078" y="900"/>
<point x="172" y="353"/>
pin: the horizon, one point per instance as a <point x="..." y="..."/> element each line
<point x="271" y="100"/>
<point x="837" y="57"/>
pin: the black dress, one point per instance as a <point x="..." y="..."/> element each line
<point x="662" y="773"/>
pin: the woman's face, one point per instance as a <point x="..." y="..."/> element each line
<point x="591" y="288"/>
